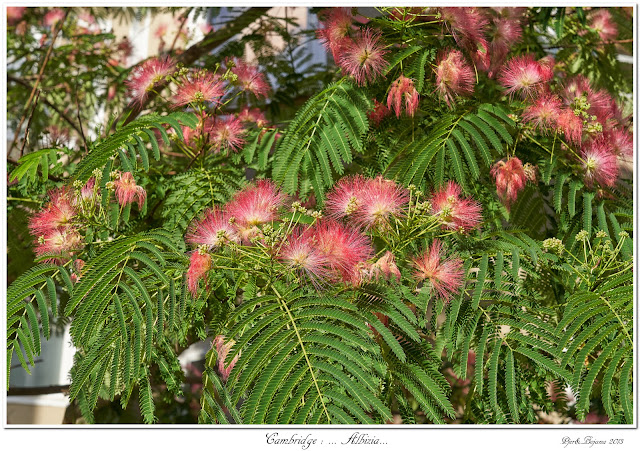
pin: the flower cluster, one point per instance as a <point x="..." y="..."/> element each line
<point x="511" y="177"/>
<point x="337" y="249"/>
<point x="54" y="226"/>
<point x="360" y="54"/>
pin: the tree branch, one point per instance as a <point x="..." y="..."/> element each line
<point x="193" y="53"/>
<point x="44" y="99"/>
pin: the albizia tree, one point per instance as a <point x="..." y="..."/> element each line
<point x="436" y="228"/>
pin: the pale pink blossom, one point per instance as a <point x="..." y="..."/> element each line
<point x="250" y="78"/>
<point x="570" y="125"/>
<point x="346" y="196"/>
<point x="403" y="95"/>
<point x="212" y="230"/>
<point x="543" y="113"/>
<point x="58" y="243"/>
<point x="53" y="17"/>
<point x="127" y="191"/>
<point x="335" y="30"/>
<point x="601" y="21"/>
<point x="15" y="13"/>
<point x="302" y="255"/>
<point x="525" y="75"/>
<point x="454" y="76"/>
<point x="147" y="76"/>
<point x="198" y="87"/>
<point x="57" y="214"/>
<point x="226" y="134"/>
<point x="363" y="58"/>
<point x="254" y="115"/>
<point x="599" y="163"/>
<point x="385" y="268"/>
<point x="621" y="142"/>
<point x="454" y="211"/>
<point x="444" y="275"/>
<point x="223" y="348"/>
<point x="345" y="248"/>
<point x="199" y="266"/>
<point x="380" y="200"/>
<point x="510" y="179"/>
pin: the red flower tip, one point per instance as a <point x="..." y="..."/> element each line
<point x="403" y="88"/>
<point x="199" y="266"/>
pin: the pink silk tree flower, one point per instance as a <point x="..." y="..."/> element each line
<point x="197" y="88"/>
<point x="250" y="78"/>
<point x="543" y="113"/>
<point x="335" y="30"/>
<point x="255" y="205"/>
<point x="212" y="230"/>
<point x="467" y="25"/>
<point x="302" y="255"/>
<point x="14" y="14"/>
<point x="199" y="265"/>
<point x="363" y="57"/>
<point x="507" y="32"/>
<point x="346" y="196"/>
<point x="58" y="243"/>
<point x="510" y="179"/>
<point x="127" y="191"/>
<point x="226" y="134"/>
<point x="53" y="17"/>
<point x="148" y="76"/>
<point x="601" y="21"/>
<point x="385" y="268"/>
<point x="444" y="275"/>
<point x="454" y="211"/>
<point x="379" y="112"/>
<point x="525" y="75"/>
<point x="621" y="142"/>
<point x="57" y="214"/>
<point x="403" y="89"/>
<point x="570" y="125"/>
<point x="253" y="115"/>
<point x="88" y="191"/>
<point x="345" y="248"/>
<point x="381" y="199"/>
<point x="223" y="350"/>
<point x="599" y="163"/>
<point x="454" y="76"/>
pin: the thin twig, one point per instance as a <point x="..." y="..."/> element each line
<point x="175" y="39"/>
<point x="26" y="132"/>
<point x="57" y="28"/>
<point x="44" y="99"/>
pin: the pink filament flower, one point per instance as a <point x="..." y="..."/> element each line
<point x="250" y="78"/>
<point x="253" y="115"/>
<point x="197" y="88"/>
<point x="403" y="88"/>
<point x="223" y="349"/>
<point x="570" y="125"/>
<point x="255" y="205"/>
<point x="599" y="163"/>
<point x="127" y="191"/>
<point x="467" y="25"/>
<point x="58" y="242"/>
<point x="212" y="230"/>
<point x="621" y="142"/>
<point x="507" y="32"/>
<point x="379" y="112"/>
<point x="345" y="249"/>
<point x="198" y="267"/>
<point x="456" y="212"/>
<point x="53" y="17"/>
<point x="454" y="76"/>
<point x="525" y="75"/>
<point x="57" y="215"/>
<point x="386" y="268"/>
<point x="302" y="255"/>
<point x="603" y="24"/>
<point x="445" y="275"/>
<point x="380" y="200"/>
<point x="363" y="57"/>
<point x="334" y="33"/>
<point x="15" y="13"/>
<point x="88" y="191"/>
<point x="346" y="196"/>
<point x="227" y="134"/>
<point x="510" y="179"/>
<point x="147" y="76"/>
<point x="543" y="114"/>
